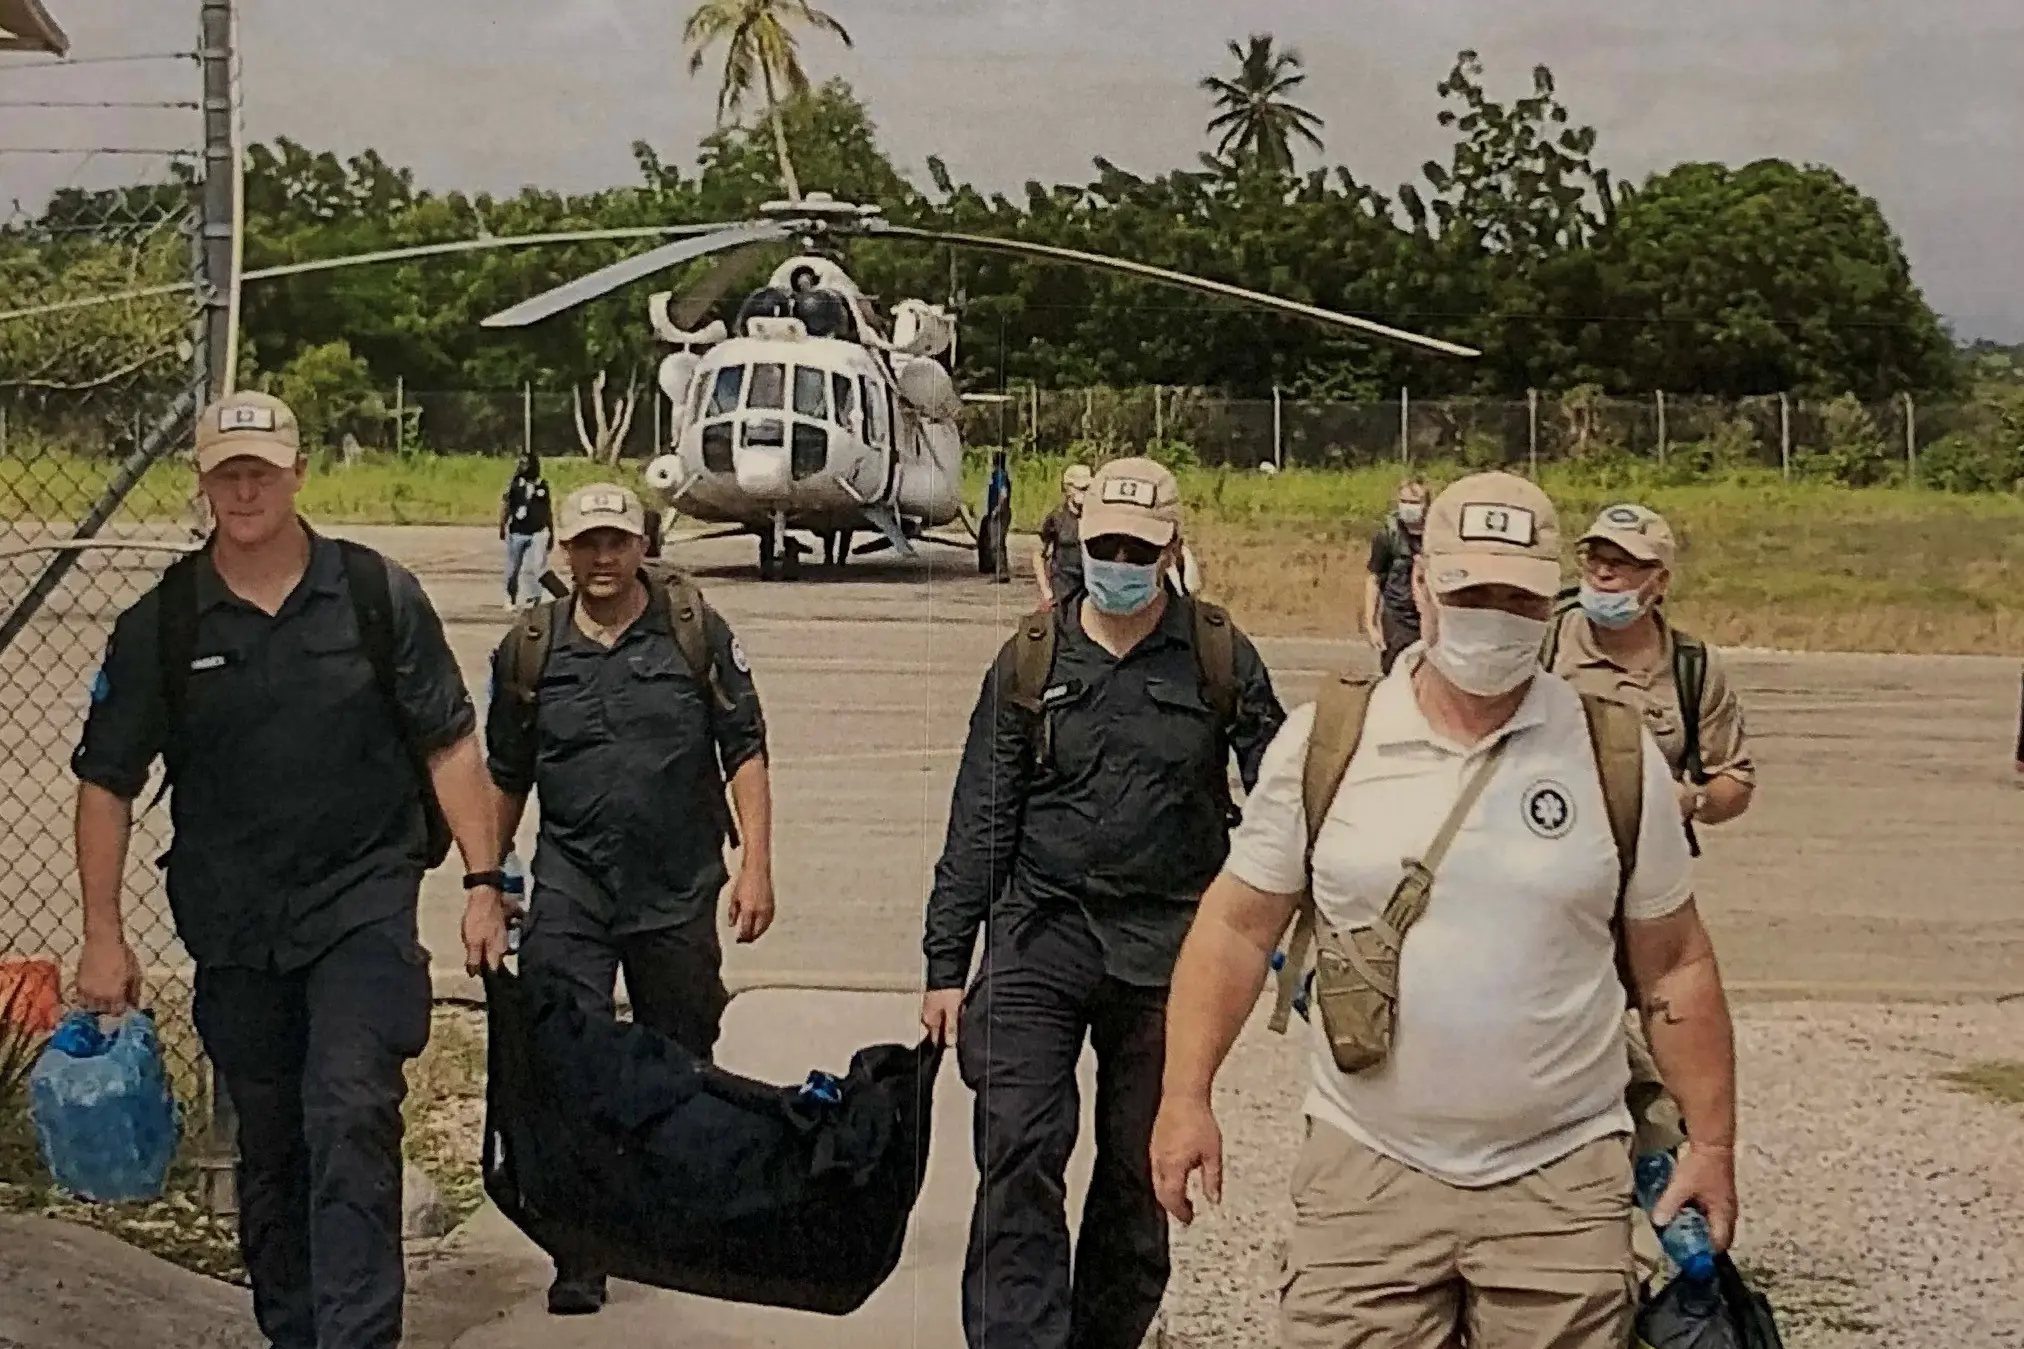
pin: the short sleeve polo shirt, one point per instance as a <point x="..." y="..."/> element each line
<point x="1509" y="1049"/>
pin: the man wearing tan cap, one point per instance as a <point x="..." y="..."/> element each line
<point x="1090" y="809"/>
<point x="628" y="705"/>
<point x="1466" y="1173"/>
<point x="1057" y="565"/>
<point x="322" y="751"/>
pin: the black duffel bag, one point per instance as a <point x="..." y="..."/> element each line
<point x="611" y="1147"/>
<point x="1724" y="1314"/>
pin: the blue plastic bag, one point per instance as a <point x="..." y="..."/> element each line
<point x="105" y="1118"/>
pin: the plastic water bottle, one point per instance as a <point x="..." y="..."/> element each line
<point x="515" y="891"/>
<point x="1300" y="994"/>
<point x="1685" y="1239"/>
<point x="105" y="1118"/>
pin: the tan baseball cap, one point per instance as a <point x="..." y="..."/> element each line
<point x="1075" y="478"/>
<point x="1638" y="530"/>
<point x="1493" y="529"/>
<point x="1134" y="497"/>
<point x="256" y="425"/>
<point x="601" y="505"/>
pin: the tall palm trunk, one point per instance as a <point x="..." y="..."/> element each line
<point x="779" y="135"/>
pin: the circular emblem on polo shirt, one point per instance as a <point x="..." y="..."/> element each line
<point x="1549" y="809"/>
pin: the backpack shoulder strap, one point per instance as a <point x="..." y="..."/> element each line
<point x="1690" y="678"/>
<point x="1032" y="659"/>
<point x="533" y="639"/>
<point x="1616" y="734"/>
<point x="686" y="608"/>
<point x="1216" y="653"/>
<point x="175" y="648"/>
<point x="1340" y="709"/>
<point x="1565" y="603"/>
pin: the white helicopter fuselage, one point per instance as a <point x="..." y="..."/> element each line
<point x="810" y="432"/>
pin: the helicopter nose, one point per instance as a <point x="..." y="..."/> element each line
<point x="763" y="470"/>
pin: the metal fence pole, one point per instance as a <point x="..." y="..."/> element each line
<point x="1159" y="417"/>
<point x="527" y="419"/>
<point x="1278" y="429"/>
<point x="1662" y="428"/>
<point x="1911" y="441"/>
<point x="1532" y="419"/>
<point x="1785" y="434"/>
<point x="400" y="414"/>
<point x="1405" y="426"/>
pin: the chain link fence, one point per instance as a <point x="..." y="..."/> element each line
<point x="1967" y="445"/>
<point x="92" y="389"/>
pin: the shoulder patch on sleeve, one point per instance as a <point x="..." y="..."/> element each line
<point x="738" y="657"/>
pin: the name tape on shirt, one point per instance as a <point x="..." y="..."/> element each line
<point x="1140" y="492"/>
<point x="202" y="663"/>
<point x="1514" y="525"/>
<point x="245" y="418"/>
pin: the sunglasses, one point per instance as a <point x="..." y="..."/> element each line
<point x="1123" y="548"/>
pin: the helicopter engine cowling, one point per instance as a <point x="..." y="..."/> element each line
<point x="824" y="313"/>
<point x="677" y="373"/>
<point x="927" y="386"/>
<point x="767" y="302"/>
<point x="922" y="329"/>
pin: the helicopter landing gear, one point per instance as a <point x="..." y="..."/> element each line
<point x="779" y="555"/>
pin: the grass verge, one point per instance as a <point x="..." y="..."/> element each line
<point x="1998" y="1080"/>
<point x="444" y="1113"/>
<point x="1763" y="562"/>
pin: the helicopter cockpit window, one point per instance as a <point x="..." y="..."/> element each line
<point x="874" y="415"/>
<point x="810" y="393"/>
<point x="769" y="387"/>
<point x="724" y="393"/>
<point x="845" y="394"/>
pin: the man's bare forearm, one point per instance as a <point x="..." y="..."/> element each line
<point x="752" y="795"/>
<point x="1686" y="1018"/>
<point x="465" y="792"/>
<point x="1727" y="798"/>
<point x="1222" y="965"/>
<point x="103" y="826"/>
<point x="1371" y="595"/>
<point x="511" y="806"/>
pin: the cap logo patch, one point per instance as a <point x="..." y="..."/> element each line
<point x="1625" y="517"/>
<point x="603" y="503"/>
<point x="1514" y="525"/>
<point x="1141" y="492"/>
<point x="245" y="417"/>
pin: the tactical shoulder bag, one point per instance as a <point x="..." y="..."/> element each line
<point x="1356" y="980"/>
<point x="365" y="575"/>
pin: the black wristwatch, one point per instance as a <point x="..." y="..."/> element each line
<point x="495" y="880"/>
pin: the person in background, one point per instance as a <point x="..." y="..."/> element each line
<point x="1058" y="564"/>
<point x="1391" y="621"/>
<point x="525" y="517"/>
<point x="996" y="554"/>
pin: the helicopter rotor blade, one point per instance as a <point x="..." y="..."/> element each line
<point x="608" y="279"/>
<point x="1165" y="277"/>
<point x="692" y="306"/>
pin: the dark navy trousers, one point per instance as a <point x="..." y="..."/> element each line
<point x="314" y="1060"/>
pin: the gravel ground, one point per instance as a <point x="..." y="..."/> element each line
<point x="1879" y="1201"/>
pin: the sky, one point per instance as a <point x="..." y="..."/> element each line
<point x="1920" y="103"/>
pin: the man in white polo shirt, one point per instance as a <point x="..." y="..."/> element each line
<point x="1474" y="1181"/>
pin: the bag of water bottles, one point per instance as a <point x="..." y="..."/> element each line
<point x="105" y="1118"/>
<point x="1720" y="1313"/>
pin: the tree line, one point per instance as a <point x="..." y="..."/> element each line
<point x="1704" y="279"/>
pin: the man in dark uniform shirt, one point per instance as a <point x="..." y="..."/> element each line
<point x="301" y="833"/>
<point x="1058" y="564"/>
<point x="630" y="753"/>
<point x="1391" y="619"/>
<point x="525" y="525"/>
<point x="1080" y="838"/>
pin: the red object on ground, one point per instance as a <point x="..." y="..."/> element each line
<point x="30" y="995"/>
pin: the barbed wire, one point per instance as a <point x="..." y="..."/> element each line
<point x="69" y="63"/>
<point x="85" y="103"/>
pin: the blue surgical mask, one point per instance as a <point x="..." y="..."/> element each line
<point x="1119" y="587"/>
<point x="1613" y="609"/>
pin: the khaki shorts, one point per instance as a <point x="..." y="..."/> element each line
<point x="1384" y="1257"/>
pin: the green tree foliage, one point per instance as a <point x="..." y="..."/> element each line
<point x="1702" y="280"/>
<point x="1255" y="122"/>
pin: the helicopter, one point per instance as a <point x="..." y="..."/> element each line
<point x="807" y="413"/>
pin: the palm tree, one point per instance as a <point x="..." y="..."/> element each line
<point x="1255" y="122"/>
<point x="759" y="44"/>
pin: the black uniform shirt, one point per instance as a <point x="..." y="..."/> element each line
<point x="296" y="812"/>
<point x="528" y="509"/>
<point x="629" y="755"/>
<point x="1061" y="536"/>
<point x="1391" y="561"/>
<point x="1125" y="822"/>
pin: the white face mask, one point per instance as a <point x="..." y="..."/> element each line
<point x="1486" y="652"/>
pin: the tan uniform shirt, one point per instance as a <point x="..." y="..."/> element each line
<point x="1725" y="749"/>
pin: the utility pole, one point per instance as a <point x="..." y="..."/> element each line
<point x="219" y="290"/>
